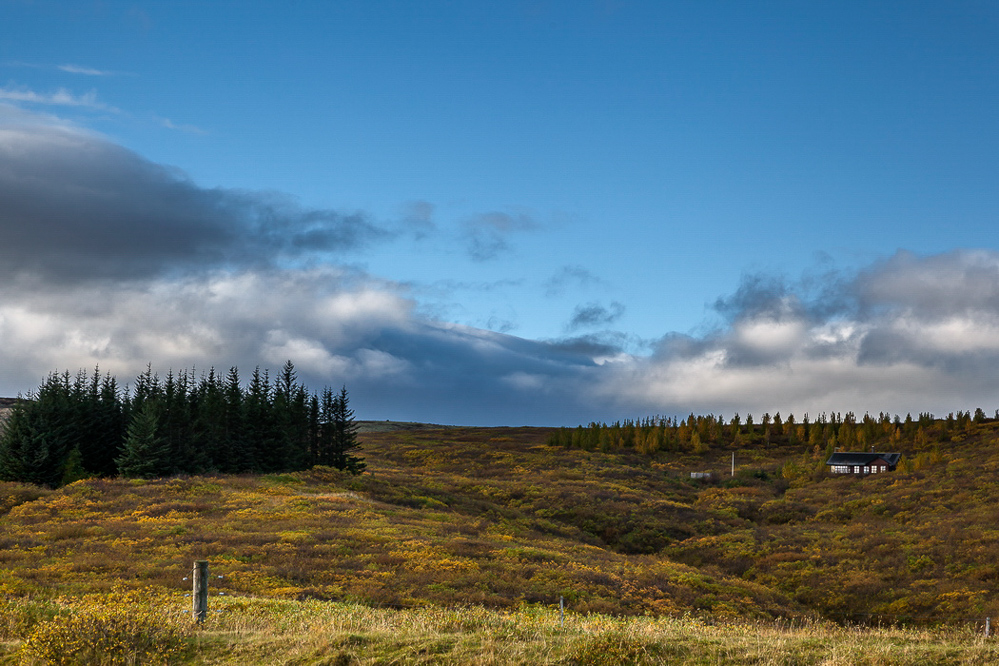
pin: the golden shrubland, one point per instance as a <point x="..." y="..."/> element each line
<point x="459" y="542"/>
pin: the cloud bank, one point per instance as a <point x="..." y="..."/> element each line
<point x="108" y="259"/>
<point x="909" y="333"/>
<point x="77" y="207"/>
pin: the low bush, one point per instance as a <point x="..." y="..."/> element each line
<point x="18" y="617"/>
<point x="97" y="633"/>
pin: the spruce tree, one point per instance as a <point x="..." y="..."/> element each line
<point x="38" y="437"/>
<point x="260" y="424"/>
<point x="99" y="424"/>
<point x="16" y="444"/>
<point x="291" y="408"/>
<point x="344" y="435"/>
<point x="325" y="435"/>
<point x="208" y="428"/>
<point x="146" y="454"/>
<point x="237" y="455"/>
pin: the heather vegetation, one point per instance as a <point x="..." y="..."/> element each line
<point x="456" y="545"/>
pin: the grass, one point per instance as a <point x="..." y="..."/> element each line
<point x="256" y="631"/>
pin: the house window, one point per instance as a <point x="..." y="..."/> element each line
<point x="856" y="470"/>
<point x="882" y="468"/>
<point x="867" y="470"/>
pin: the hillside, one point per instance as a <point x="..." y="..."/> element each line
<point x="499" y="518"/>
<point x="451" y="516"/>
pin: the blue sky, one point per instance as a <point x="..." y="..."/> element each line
<point x="509" y="212"/>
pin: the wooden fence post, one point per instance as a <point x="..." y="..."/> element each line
<point x="200" y="594"/>
<point x="988" y="627"/>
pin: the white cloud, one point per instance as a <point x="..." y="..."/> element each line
<point x="910" y="334"/>
<point x="179" y="127"/>
<point x="769" y="336"/>
<point x="61" y="97"/>
<point x="81" y="69"/>
<point x="221" y="319"/>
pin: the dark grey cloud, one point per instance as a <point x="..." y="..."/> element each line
<point x="926" y="287"/>
<point x="74" y="206"/>
<point x="758" y="294"/>
<point x="682" y="346"/>
<point x="602" y="345"/>
<point x="488" y="235"/>
<point x="936" y="286"/>
<point x="591" y="315"/>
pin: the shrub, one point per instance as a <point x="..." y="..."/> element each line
<point x="18" y="617"/>
<point x="105" y="636"/>
<point x="613" y="648"/>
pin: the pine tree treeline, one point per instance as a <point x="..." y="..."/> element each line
<point x="698" y="434"/>
<point x="87" y="425"/>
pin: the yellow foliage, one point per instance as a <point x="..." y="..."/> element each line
<point x="108" y="631"/>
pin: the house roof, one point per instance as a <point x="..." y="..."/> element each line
<point x="862" y="458"/>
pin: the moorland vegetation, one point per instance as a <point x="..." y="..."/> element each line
<point x="456" y="544"/>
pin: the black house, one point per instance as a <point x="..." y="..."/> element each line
<point x="859" y="462"/>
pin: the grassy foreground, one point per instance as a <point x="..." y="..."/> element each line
<point x="128" y="627"/>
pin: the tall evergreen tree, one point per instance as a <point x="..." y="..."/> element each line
<point x="36" y="442"/>
<point x="208" y="413"/>
<point x="238" y="455"/>
<point x="261" y="428"/>
<point x="291" y="407"/>
<point x="344" y="435"/>
<point x="99" y="424"/>
<point x="145" y="454"/>
<point x="326" y="433"/>
<point x="15" y="462"/>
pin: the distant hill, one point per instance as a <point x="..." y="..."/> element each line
<point x="5" y="406"/>
<point x="395" y="426"/>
